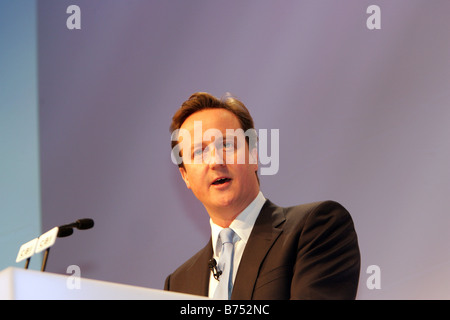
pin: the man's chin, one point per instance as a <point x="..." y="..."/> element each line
<point x="224" y="200"/>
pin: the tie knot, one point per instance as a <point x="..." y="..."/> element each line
<point x="226" y="235"/>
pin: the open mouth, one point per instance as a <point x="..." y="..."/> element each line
<point x="221" y="181"/>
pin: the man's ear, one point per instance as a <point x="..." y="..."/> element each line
<point x="184" y="176"/>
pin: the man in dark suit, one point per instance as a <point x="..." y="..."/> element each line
<point x="308" y="251"/>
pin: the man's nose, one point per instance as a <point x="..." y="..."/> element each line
<point x="214" y="157"/>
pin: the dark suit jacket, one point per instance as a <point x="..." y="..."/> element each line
<point x="308" y="251"/>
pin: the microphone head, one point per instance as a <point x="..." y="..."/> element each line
<point x="83" y="224"/>
<point x="212" y="263"/>
<point x="64" y="232"/>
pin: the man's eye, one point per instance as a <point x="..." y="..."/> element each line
<point x="197" y="152"/>
<point x="228" y="145"/>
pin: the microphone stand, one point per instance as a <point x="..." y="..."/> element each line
<point x="27" y="263"/>
<point x="44" y="262"/>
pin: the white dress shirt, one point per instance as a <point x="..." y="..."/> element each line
<point x="242" y="225"/>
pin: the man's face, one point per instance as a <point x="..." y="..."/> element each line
<point x="219" y="170"/>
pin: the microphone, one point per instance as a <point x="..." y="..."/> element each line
<point x="212" y="265"/>
<point x="80" y="224"/>
<point x="65" y="231"/>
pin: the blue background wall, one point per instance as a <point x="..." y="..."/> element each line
<point x="19" y="142"/>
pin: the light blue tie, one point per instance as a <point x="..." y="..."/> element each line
<point x="223" y="290"/>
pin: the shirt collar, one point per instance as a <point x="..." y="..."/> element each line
<point x="242" y="225"/>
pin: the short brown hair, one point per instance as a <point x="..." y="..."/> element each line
<point x="201" y="101"/>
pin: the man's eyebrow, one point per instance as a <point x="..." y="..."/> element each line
<point x="231" y="136"/>
<point x="197" y="144"/>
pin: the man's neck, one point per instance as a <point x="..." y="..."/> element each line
<point x="224" y="216"/>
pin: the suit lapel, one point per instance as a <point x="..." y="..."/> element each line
<point x="199" y="271"/>
<point x="265" y="231"/>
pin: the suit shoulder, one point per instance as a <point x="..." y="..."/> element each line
<point x="316" y="208"/>
<point x="317" y="205"/>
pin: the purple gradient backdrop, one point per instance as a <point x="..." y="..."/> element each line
<point x="364" y="119"/>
